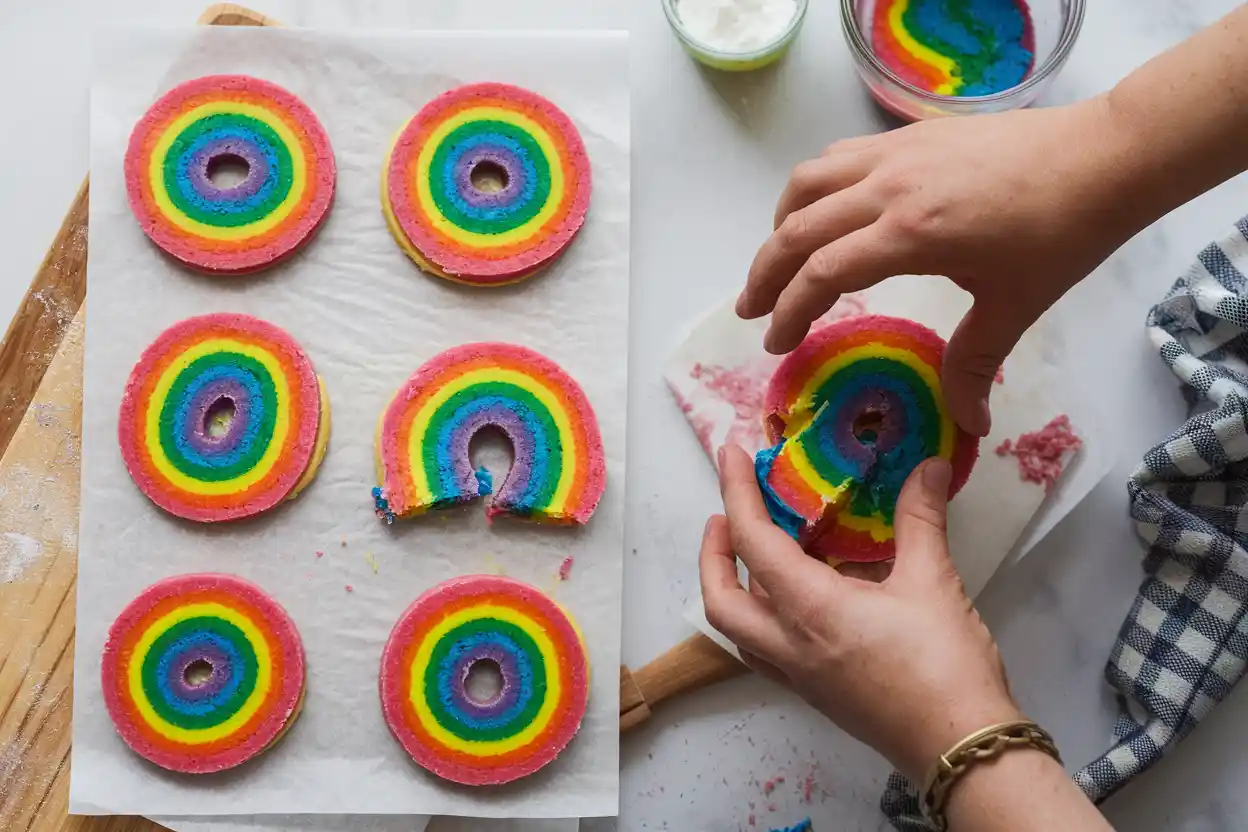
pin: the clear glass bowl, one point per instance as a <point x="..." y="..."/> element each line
<point x="735" y="61"/>
<point x="1056" y="22"/>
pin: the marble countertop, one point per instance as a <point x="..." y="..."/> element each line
<point x="710" y="154"/>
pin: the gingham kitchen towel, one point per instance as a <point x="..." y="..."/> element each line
<point x="1184" y="644"/>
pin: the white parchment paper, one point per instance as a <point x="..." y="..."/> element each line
<point x="718" y="375"/>
<point x="367" y="318"/>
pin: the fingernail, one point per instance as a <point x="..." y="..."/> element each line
<point x="707" y="528"/>
<point x="936" y="474"/>
<point x="743" y="304"/>
<point x="719" y="455"/>
<point x="985" y="417"/>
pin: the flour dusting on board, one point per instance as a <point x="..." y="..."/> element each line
<point x="17" y="553"/>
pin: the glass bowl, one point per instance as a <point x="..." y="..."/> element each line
<point x="735" y="61"/>
<point x="1056" y="23"/>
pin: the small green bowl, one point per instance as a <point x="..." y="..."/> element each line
<point x="735" y="61"/>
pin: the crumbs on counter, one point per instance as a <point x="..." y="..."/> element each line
<point x="1042" y="454"/>
<point x="802" y="826"/>
<point x="565" y="568"/>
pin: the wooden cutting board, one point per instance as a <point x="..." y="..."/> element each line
<point x="40" y="430"/>
<point x="40" y="426"/>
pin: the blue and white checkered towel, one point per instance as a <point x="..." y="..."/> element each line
<point x="1184" y="644"/>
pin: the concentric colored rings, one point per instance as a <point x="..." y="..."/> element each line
<point x="425" y="668"/>
<point x="486" y="185"/>
<point x="202" y="672"/>
<point x="422" y="444"/>
<point x="178" y="147"/>
<point x="853" y="411"/>
<point x="223" y="417"/>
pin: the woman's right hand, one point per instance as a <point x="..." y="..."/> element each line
<point x="1015" y="208"/>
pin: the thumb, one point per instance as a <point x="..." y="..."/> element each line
<point x="919" y="522"/>
<point x="976" y="351"/>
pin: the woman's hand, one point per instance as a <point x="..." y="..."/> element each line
<point x="904" y="665"/>
<point x="1015" y="208"/>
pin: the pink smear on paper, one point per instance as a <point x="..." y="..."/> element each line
<point x="1042" y="454"/>
<point x="743" y="389"/>
<point x="565" y="569"/>
<point x="702" y="426"/>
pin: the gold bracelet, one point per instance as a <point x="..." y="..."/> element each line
<point x="985" y="744"/>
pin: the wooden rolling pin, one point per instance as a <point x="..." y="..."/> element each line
<point x="694" y="663"/>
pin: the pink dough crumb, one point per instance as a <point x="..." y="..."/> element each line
<point x="752" y="822"/>
<point x="565" y="569"/>
<point x="808" y="787"/>
<point x="770" y="785"/>
<point x="350" y="588"/>
<point x="1042" y="454"/>
<point x="320" y="554"/>
<point x="1000" y="377"/>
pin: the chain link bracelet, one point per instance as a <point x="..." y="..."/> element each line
<point x="985" y="744"/>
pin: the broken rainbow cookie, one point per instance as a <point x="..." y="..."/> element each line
<point x="177" y="147"/>
<point x="852" y="411"/>
<point x="201" y="673"/>
<point x="433" y="648"/>
<point x="486" y="185"/>
<point x="558" y="474"/>
<point x="223" y="417"/>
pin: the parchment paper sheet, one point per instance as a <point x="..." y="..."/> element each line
<point x="719" y="373"/>
<point x="367" y="318"/>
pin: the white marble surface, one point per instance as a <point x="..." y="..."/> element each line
<point x="710" y="155"/>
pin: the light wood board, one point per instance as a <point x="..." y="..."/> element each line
<point x="40" y="426"/>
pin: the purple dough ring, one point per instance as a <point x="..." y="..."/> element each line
<point x="204" y="398"/>
<point x="257" y="170"/>
<point x="506" y="697"/>
<point x="500" y="156"/>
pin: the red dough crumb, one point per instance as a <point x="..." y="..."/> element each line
<point x="565" y="569"/>
<point x="1041" y="454"/>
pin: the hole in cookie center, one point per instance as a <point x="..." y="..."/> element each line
<point x="197" y="673"/>
<point x="868" y="425"/>
<point x="488" y="177"/>
<point x="484" y="683"/>
<point x="227" y="171"/>
<point x="218" y="417"/>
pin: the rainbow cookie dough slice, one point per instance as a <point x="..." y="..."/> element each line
<point x="178" y="149"/>
<point x="852" y="411"/>
<point x="223" y="417"/>
<point x="424" y="681"/>
<point x="487" y="185"/>
<point x="558" y="473"/>
<point x="201" y="673"/>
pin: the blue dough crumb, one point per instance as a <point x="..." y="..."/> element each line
<point x="381" y="506"/>
<point x="783" y="516"/>
<point x="804" y="826"/>
<point x="485" y="482"/>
